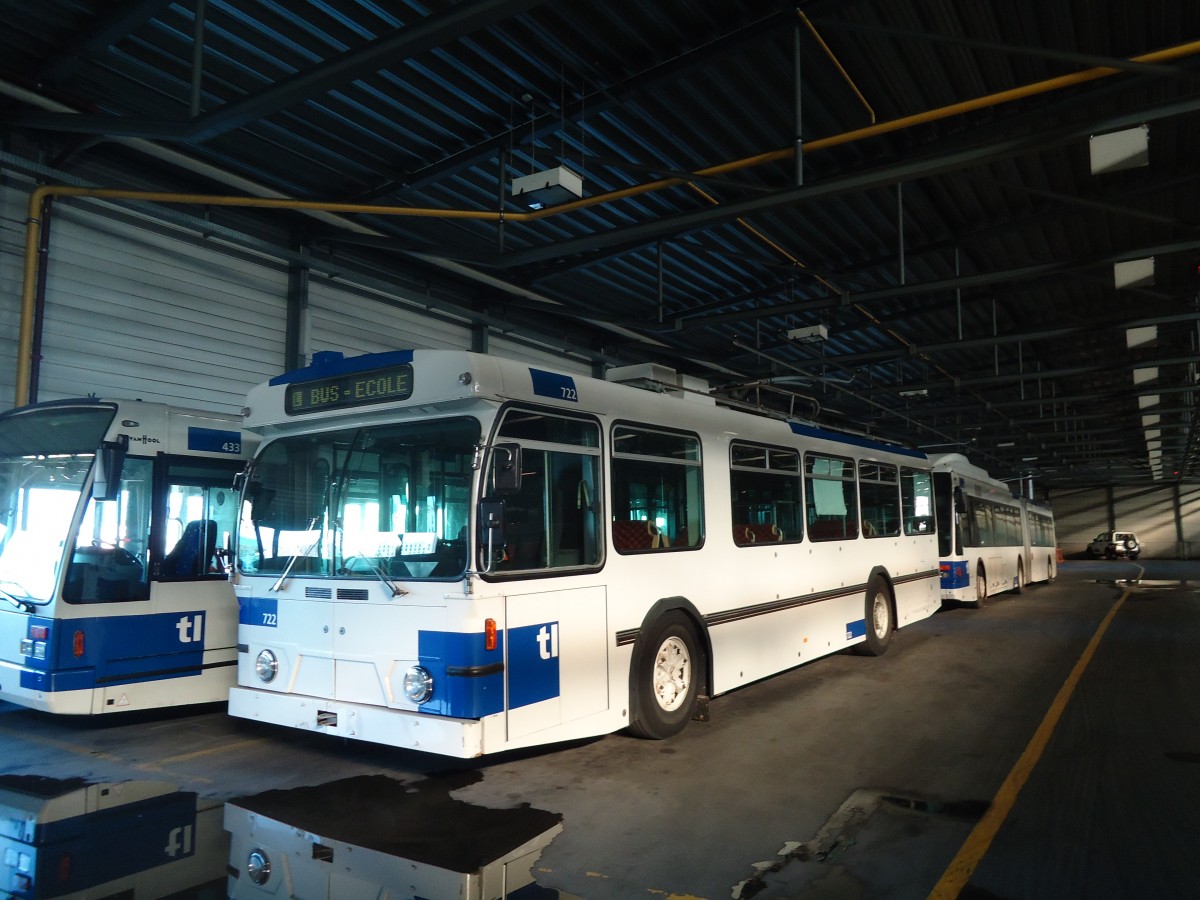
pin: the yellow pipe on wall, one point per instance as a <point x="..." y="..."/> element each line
<point x="36" y="198"/>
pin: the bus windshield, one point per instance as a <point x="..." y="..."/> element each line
<point x="45" y="457"/>
<point x="389" y="501"/>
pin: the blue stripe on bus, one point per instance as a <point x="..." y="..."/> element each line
<point x="469" y="681"/>
<point x="463" y="696"/>
<point x="214" y="440"/>
<point x="117" y="650"/>
<point x="554" y="385"/>
<point x="258" y="611"/>
<point x="853" y="439"/>
<point x="955" y="574"/>
<point x="326" y="365"/>
<point x="856" y="629"/>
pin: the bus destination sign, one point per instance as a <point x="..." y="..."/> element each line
<point x="355" y="389"/>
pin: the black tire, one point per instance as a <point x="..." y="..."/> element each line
<point x="1050" y="573"/>
<point x="880" y="618"/>
<point x="1020" y="576"/>
<point x="981" y="591"/>
<point x="667" y="678"/>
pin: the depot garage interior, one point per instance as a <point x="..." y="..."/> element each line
<point x="943" y="227"/>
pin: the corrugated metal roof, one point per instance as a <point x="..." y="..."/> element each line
<point x="948" y="230"/>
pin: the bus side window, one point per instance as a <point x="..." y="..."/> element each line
<point x="201" y="516"/>
<point x="879" y="499"/>
<point x="831" y="501"/>
<point x="765" y="495"/>
<point x="551" y="514"/>
<point x="916" y="501"/>
<point x="657" y="480"/>
<point x="109" y="561"/>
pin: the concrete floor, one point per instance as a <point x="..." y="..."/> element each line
<point x="978" y="758"/>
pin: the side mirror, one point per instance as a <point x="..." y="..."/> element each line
<point x="960" y="503"/>
<point x="110" y="460"/>
<point x="506" y="467"/>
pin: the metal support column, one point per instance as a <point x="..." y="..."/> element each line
<point x="294" y="356"/>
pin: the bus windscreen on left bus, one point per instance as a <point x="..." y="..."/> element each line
<point x="44" y="463"/>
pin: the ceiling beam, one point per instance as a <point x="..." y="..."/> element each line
<point x="435" y="30"/>
<point x="880" y="177"/>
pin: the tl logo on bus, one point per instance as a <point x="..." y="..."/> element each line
<point x="191" y="629"/>
<point x="533" y="664"/>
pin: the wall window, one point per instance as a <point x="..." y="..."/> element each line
<point x="766" y="499"/>
<point x="831" y="501"/>
<point x="879" y="499"/>
<point x="552" y="520"/>
<point x="657" y="497"/>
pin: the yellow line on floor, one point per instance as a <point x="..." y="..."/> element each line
<point x="971" y="853"/>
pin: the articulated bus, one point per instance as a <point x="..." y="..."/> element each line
<point x="115" y="524"/>
<point x="989" y="541"/>
<point x="461" y="554"/>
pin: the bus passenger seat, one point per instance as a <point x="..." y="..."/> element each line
<point x="630" y="535"/>
<point x="765" y="533"/>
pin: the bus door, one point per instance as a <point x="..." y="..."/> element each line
<point x="556" y="670"/>
<point x="542" y="491"/>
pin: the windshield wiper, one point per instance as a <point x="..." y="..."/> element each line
<point x="25" y="604"/>
<point x="287" y="570"/>
<point x="396" y="590"/>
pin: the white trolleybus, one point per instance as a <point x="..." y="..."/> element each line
<point x="989" y="541"/>
<point x="462" y="554"/>
<point x="114" y="585"/>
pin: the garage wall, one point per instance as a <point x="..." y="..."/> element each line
<point x="1165" y="517"/>
<point x="160" y="316"/>
<point x="356" y="322"/>
<point x="557" y="361"/>
<point x="136" y="307"/>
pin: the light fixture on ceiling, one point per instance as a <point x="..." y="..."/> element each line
<point x="810" y="335"/>
<point x="1118" y="150"/>
<point x="548" y="187"/>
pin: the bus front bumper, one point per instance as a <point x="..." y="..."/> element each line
<point x="463" y="738"/>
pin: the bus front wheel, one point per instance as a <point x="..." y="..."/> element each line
<point x="667" y="677"/>
<point x="880" y="623"/>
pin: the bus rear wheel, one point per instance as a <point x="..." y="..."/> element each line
<point x="880" y="622"/>
<point x="667" y="678"/>
<point x="981" y="593"/>
<point x="1021" y="576"/>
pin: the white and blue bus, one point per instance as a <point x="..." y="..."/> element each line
<point x="115" y="523"/>
<point x="989" y="541"/>
<point x="462" y="554"/>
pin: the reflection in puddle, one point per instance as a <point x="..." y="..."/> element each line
<point x="369" y="836"/>
<point x="67" y="838"/>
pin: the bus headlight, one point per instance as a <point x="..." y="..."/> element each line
<point x="418" y="684"/>
<point x="258" y="866"/>
<point x="266" y="666"/>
